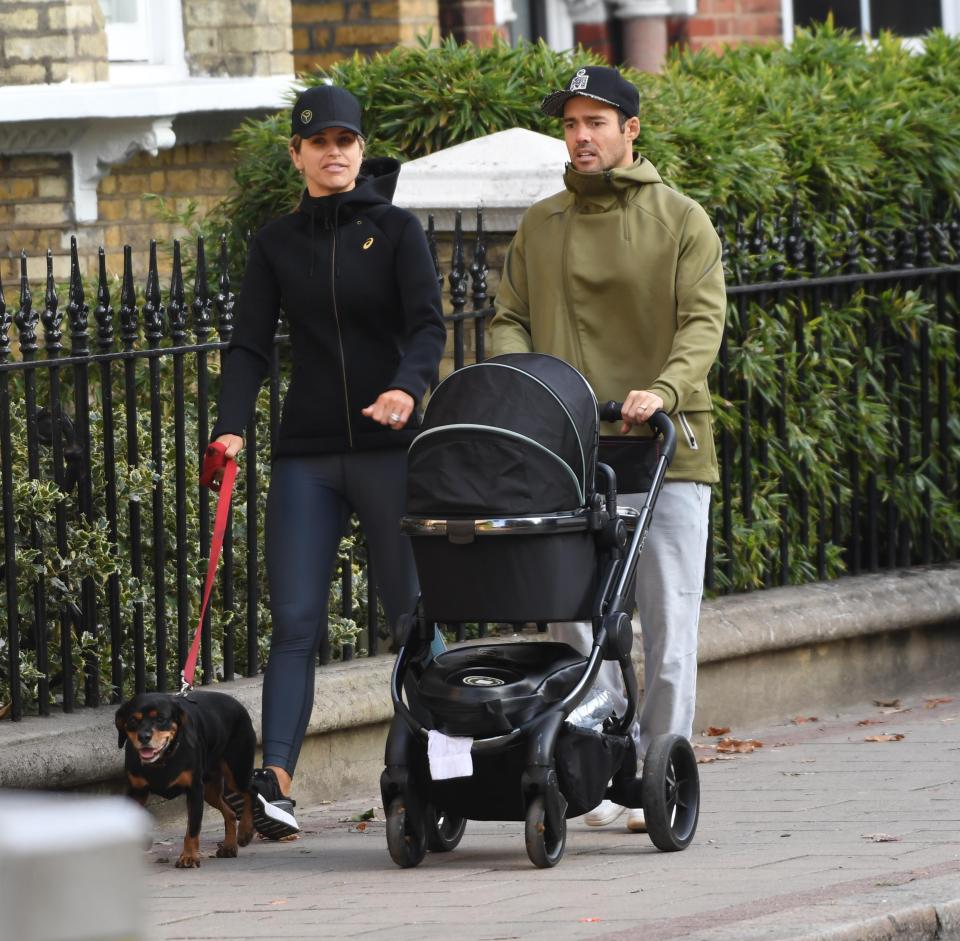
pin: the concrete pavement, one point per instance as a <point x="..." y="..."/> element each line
<point x="817" y="833"/>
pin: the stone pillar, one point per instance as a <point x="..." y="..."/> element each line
<point x="590" y="26"/>
<point x="472" y="21"/>
<point x="645" y="30"/>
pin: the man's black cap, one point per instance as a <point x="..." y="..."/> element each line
<point x="323" y="106"/>
<point x="599" y="83"/>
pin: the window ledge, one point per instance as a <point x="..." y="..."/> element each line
<point x="102" y="123"/>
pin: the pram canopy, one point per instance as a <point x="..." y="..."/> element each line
<point x="514" y="435"/>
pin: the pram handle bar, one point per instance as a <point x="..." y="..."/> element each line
<point x="659" y="422"/>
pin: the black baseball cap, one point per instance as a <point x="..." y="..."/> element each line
<point x="600" y="83"/>
<point x="323" y="106"/>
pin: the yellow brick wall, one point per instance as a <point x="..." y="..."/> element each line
<point x="328" y="31"/>
<point x="52" y="41"/>
<point x="36" y="209"/>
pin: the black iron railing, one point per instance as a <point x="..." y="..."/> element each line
<point x="837" y="432"/>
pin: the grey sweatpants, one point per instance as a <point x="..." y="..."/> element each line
<point x="669" y="590"/>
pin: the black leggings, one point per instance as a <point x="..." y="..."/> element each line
<point x="308" y="509"/>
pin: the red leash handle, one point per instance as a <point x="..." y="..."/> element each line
<point x="214" y="459"/>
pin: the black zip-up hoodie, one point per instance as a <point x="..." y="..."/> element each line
<point x="354" y="277"/>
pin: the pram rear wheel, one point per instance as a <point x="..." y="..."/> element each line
<point x="670" y="789"/>
<point x="444" y="831"/>
<point x="406" y="836"/>
<point x="545" y="838"/>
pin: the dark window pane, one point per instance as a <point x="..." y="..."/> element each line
<point x="905" y="19"/>
<point x="846" y="13"/>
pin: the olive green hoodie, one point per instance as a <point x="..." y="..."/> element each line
<point x="621" y="276"/>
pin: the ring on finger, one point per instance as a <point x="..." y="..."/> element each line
<point x="394" y="417"/>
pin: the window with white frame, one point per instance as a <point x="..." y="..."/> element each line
<point x="869" y="17"/>
<point x="144" y="32"/>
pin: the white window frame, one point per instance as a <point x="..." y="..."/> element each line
<point x="949" y="17"/>
<point x="150" y="49"/>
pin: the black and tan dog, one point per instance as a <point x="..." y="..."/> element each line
<point x="201" y="745"/>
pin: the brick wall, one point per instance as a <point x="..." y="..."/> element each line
<point x="52" y="41"/>
<point x="36" y="208"/>
<point x="325" y="32"/>
<point x="469" y="21"/>
<point x="730" y="22"/>
<point x="223" y="37"/>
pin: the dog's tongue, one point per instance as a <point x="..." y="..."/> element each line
<point x="147" y="753"/>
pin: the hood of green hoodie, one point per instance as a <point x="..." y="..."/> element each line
<point x="610" y="181"/>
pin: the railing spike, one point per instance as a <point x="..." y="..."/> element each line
<point x="129" y="315"/>
<point x="176" y="308"/>
<point x="52" y="316"/>
<point x="225" y="299"/>
<point x="152" y="305"/>
<point x="77" y="309"/>
<point x="26" y="317"/>
<point x="202" y="318"/>
<point x="103" y="312"/>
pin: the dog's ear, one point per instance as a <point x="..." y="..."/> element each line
<point x="120" y="720"/>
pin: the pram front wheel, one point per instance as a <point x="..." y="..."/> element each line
<point x="444" y="831"/>
<point x="406" y="834"/>
<point x="545" y="838"/>
<point x="670" y="788"/>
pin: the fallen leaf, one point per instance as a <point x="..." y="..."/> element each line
<point x="895" y="712"/>
<point x="706" y="759"/>
<point x="360" y="827"/>
<point x="738" y="745"/>
<point x="704" y="746"/>
<point x="881" y="838"/>
<point x="799" y="720"/>
<point x="895" y="737"/>
<point x="870" y="722"/>
<point x="930" y="703"/>
<point x="278" y="901"/>
<point x="886" y="702"/>
<point x="363" y="815"/>
<point x="715" y="731"/>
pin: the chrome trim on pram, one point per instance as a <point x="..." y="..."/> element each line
<point x="502" y="526"/>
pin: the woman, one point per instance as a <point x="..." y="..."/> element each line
<point x="357" y="286"/>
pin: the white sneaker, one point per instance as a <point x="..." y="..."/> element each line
<point x="604" y="813"/>
<point x="636" y="822"/>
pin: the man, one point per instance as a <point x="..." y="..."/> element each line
<point x="621" y="276"/>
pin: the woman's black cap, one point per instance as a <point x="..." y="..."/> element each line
<point x="323" y="106"/>
<point x="599" y="83"/>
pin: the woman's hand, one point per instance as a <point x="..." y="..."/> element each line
<point x="233" y="445"/>
<point x="393" y="408"/>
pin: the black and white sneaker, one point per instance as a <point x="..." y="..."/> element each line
<point x="272" y="811"/>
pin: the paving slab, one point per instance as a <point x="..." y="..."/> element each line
<point x="816" y="835"/>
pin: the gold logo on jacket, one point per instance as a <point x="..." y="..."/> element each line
<point x="368" y="243"/>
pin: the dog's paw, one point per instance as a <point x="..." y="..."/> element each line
<point x="188" y="862"/>
<point x="245" y="836"/>
<point x="225" y="851"/>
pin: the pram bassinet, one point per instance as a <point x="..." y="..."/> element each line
<point x="508" y="449"/>
<point x="508" y="524"/>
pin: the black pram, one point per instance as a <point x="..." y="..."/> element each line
<point x="513" y="520"/>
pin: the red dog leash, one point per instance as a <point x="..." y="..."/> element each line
<point x="214" y="459"/>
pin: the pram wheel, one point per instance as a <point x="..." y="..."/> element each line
<point x="444" y="831"/>
<point x="545" y="839"/>
<point x="406" y="836"/>
<point x="670" y="788"/>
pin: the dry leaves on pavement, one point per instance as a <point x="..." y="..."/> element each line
<point x="931" y="702"/>
<point x="886" y="702"/>
<point x="716" y="731"/>
<point x="800" y="720"/>
<point x="895" y="737"/>
<point x="738" y="745"/>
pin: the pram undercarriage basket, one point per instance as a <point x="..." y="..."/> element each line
<point x="508" y="524"/>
